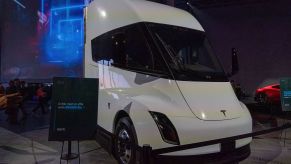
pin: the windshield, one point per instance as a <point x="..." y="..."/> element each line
<point x="188" y="53"/>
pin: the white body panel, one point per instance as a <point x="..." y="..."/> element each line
<point x="188" y="105"/>
<point x="207" y="99"/>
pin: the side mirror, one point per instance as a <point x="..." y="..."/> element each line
<point x="234" y="63"/>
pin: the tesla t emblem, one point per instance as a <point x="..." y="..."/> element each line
<point x="223" y="111"/>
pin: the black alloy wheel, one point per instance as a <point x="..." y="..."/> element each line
<point x="125" y="142"/>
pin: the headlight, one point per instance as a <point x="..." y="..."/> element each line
<point x="166" y="128"/>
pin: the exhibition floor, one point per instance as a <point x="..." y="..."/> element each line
<point x="28" y="143"/>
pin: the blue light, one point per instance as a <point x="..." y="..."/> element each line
<point x="65" y="42"/>
<point x="42" y="6"/>
<point x="67" y="7"/>
<point x="68" y="20"/>
<point x="60" y="9"/>
<point x="56" y="61"/>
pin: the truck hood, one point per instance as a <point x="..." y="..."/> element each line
<point x="211" y="101"/>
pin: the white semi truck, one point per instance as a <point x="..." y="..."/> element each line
<point x="160" y="83"/>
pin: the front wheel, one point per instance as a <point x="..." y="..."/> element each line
<point x="263" y="99"/>
<point x="125" y="144"/>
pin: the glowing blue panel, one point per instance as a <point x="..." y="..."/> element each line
<point x="65" y="42"/>
<point x="68" y="7"/>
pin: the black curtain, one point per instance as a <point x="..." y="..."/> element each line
<point x="1" y="29"/>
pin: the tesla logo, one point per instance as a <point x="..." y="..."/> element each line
<point x="223" y="111"/>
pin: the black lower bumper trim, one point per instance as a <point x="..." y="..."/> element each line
<point x="217" y="158"/>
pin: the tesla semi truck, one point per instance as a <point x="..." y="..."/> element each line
<point x="160" y="83"/>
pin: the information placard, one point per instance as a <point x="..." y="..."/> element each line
<point x="74" y="109"/>
<point x="285" y="87"/>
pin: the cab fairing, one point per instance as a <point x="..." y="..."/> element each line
<point x="111" y="14"/>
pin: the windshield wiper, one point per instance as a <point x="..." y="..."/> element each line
<point x="176" y="57"/>
<point x="176" y="60"/>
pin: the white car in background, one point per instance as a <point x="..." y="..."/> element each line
<point x="159" y="83"/>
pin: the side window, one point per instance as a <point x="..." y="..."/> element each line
<point x="118" y="45"/>
<point x="276" y="86"/>
<point x="129" y="48"/>
<point x="102" y="49"/>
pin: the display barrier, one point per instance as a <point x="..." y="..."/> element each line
<point x="148" y="154"/>
<point x="285" y="89"/>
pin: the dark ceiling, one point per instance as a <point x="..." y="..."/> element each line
<point x="211" y="3"/>
<point x="259" y="29"/>
<point x="1" y="22"/>
<point x="222" y="3"/>
<point x="1" y="14"/>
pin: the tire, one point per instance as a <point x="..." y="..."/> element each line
<point x="263" y="99"/>
<point x="125" y="142"/>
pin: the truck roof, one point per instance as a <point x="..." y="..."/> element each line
<point x="106" y="15"/>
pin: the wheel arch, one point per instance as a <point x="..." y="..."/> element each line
<point x="121" y="114"/>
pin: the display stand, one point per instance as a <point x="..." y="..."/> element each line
<point x="284" y="131"/>
<point x="146" y="155"/>
<point x="74" y="106"/>
<point x="272" y="112"/>
<point x="69" y="156"/>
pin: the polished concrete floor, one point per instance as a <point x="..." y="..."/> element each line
<point x="27" y="142"/>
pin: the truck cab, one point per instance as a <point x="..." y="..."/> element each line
<point x="160" y="83"/>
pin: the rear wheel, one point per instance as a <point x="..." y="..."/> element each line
<point x="125" y="144"/>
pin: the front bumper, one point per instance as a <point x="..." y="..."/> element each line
<point x="237" y="155"/>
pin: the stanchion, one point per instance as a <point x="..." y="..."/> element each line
<point x="70" y="156"/>
<point x="285" y="133"/>
<point x="146" y="155"/>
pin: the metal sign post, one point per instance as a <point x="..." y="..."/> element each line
<point x="74" y="112"/>
<point x="70" y="156"/>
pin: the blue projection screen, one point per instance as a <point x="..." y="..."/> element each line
<point x="42" y="39"/>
